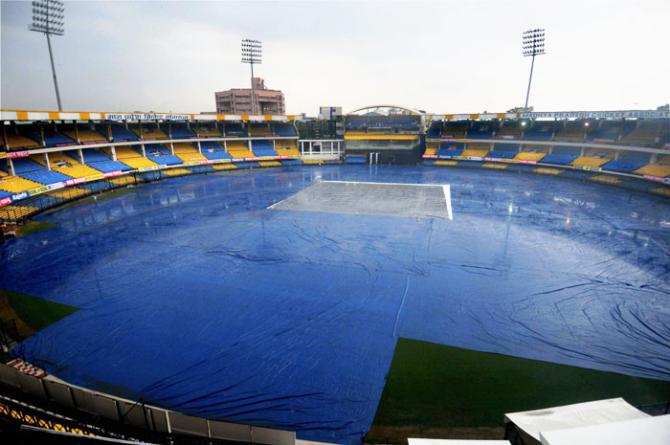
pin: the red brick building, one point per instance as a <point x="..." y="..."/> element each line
<point x="238" y="100"/>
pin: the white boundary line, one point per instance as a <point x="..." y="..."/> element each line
<point x="389" y="183"/>
<point x="447" y="198"/>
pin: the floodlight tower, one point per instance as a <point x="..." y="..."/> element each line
<point x="252" y="53"/>
<point x="533" y="45"/>
<point x="49" y="18"/>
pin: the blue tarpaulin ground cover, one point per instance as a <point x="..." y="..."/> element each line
<point x="197" y="297"/>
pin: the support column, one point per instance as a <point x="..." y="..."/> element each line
<point x="144" y="152"/>
<point x="10" y="163"/>
<point x="46" y="159"/>
<point x="113" y="153"/>
<point x="81" y="156"/>
<point x="76" y="132"/>
<point x="199" y="147"/>
<point x="172" y="148"/>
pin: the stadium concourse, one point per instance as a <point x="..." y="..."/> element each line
<point x="272" y="290"/>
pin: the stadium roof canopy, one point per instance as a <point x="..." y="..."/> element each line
<point x="387" y="110"/>
<point x="579" y="415"/>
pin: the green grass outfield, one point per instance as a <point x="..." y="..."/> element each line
<point x="31" y="314"/>
<point x="437" y="388"/>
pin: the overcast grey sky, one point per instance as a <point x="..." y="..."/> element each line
<point x="446" y="56"/>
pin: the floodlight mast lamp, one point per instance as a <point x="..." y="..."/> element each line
<point x="49" y="19"/>
<point x="252" y="53"/>
<point x="533" y="45"/>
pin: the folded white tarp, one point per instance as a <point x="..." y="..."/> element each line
<point x="648" y="431"/>
<point x="574" y="416"/>
<point x="455" y="442"/>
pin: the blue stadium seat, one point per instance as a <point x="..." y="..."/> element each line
<point x="181" y="131"/>
<point x="286" y="130"/>
<point x="449" y="150"/>
<point x="213" y="150"/>
<point x="482" y="130"/>
<point x="29" y="169"/>
<point x="562" y="155"/>
<point x="503" y="151"/>
<point x="235" y="130"/>
<point x="121" y="133"/>
<point x="628" y="162"/>
<point x="263" y="148"/>
<point x="161" y="155"/>
<point x="99" y="161"/>
<point x="4" y="194"/>
<point x="435" y="130"/>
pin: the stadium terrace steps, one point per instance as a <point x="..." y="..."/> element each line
<point x="132" y="158"/>
<point x="16" y="141"/>
<point x="188" y="153"/>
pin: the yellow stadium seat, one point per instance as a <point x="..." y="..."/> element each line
<point x="188" y="153"/>
<point x="16" y="184"/>
<point x="206" y="132"/>
<point x="150" y="133"/>
<point x="474" y="152"/>
<point x="85" y="136"/>
<point x="176" y="171"/>
<point x="590" y="162"/>
<point x="269" y="164"/>
<point x="69" y="193"/>
<point x="548" y="171"/>
<point x="132" y="158"/>
<point x="259" y="131"/>
<point x="313" y="162"/>
<point x="224" y="166"/>
<point x="530" y="156"/>
<point x="605" y="179"/>
<point x="68" y="166"/>
<point x="122" y="180"/>
<point x="444" y="163"/>
<point x="15" y="141"/>
<point x="239" y="149"/>
<point x="286" y="148"/>
<point x="665" y="191"/>
<point x="494" y="165"/>
<point x="658" y="170"/>
<point x="15" y="212"/>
